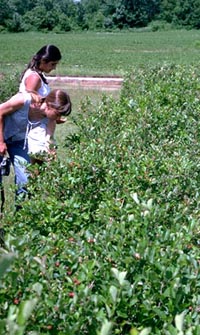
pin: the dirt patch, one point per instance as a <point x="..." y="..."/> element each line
<point x="99" y="83"/>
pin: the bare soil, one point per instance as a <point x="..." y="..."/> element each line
<point x="99" y="83"/>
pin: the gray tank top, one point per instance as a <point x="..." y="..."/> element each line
<point x="15" y="124"/>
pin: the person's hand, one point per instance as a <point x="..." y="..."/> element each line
<point x="51" y="155"/>
<point x="3" y="148"/>
<point x="60" y="121"/>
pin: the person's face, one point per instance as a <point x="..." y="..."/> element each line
<point x="49" y="66"/>
<point x="52" y="113"/>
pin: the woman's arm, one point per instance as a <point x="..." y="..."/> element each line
<point x="51" y="126"/>
<point x="50" y="141"/>
<point x="33" y="82"/>
<point x="6" y="108"/>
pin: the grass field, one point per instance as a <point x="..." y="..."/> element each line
<point x="93" y="53"/>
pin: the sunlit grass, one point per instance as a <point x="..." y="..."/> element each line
<point x="95" y="53"/>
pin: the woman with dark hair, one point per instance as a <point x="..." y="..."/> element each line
<point x="44" y="61"/>
<point x="33" y="79"/>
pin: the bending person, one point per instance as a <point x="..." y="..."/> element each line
<point x="14" y="115"/>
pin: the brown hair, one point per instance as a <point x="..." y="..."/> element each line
<point x="48" y="53"/>
<point x="60" y="100"/>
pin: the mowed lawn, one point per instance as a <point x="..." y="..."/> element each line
<point x="102" y="53"/>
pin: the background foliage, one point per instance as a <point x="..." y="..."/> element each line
<point x="67" y="15"/>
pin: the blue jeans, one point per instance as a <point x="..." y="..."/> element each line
<point x="2" y="196"/>
<point x="19" y="158"/>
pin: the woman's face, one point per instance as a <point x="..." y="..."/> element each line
<point x="47" y="67"/>
<point x="52" y="113"/>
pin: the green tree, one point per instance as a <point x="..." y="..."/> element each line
<point x="167" y="10"/>
<point x="40" y="19"/>
<point x="181" y="12"/>
<point x="4" y="11"/>
<point x="21" y="6"/>
<point x="64" y="15"/>
<point x="109" y="7"/>
<point x="135" y="13"/>
<point x="64" y="23"/>
<point x="81" y="18"/>
<point x="15" y="24"/>
<point x="196" y="15"/>
<point x="91" y="6"/>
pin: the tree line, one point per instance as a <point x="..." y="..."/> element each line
<point x="69" y="15"/>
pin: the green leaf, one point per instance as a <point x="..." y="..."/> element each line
<point x="25" y="310"/>
<point x="145" y="331"/>
<point x="120" y="276"/>
<point x="37" y="287"/>
<point x="134" y="196"/>
<point x="2" y="326"/>
<point x="106" y="328"/>
<point x="133" y="331"/>
<point x="5" y="262"/>
<point x="113" y="292"/>
<point x="12" y="312"/>
<point x="179" y="321"/>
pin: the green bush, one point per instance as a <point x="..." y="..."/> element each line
<point x="9" y="85"/>
<point x="109" y="241"/>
